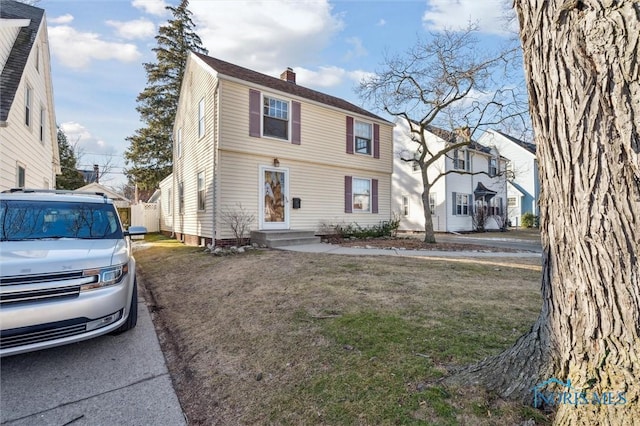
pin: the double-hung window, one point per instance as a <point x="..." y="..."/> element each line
<point x="27" y="106"/>
<point x="21" y="177"/>
<point x="361" y="195"/>
<point x="201" y="128"/>
<point x="363" y="138"/>
<point x="459" y="159"/>
<point x="275" y="118"/>
<point x="462" y="204"/>
<point x="179" y="142"/>
<point x="405" y="205"/>
<point x="180" y="198"/>
<point x="493" y="167"/>
<point x="42" y="119"/>
<point x="201" y="191"/>
<point x="432" y="202"/>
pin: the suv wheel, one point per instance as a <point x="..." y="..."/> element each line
<point x="132" y="319"/>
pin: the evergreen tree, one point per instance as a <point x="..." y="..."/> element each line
<point x="150" y="155"/>
<point x="71" y="178"/>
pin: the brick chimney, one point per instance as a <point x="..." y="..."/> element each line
<point x="288" y="75"/>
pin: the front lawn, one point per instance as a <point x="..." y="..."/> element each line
<point x="274" y="337"/>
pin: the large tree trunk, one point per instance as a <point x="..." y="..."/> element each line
<point x="429" y="234"/>
<point x="584" y="87"/>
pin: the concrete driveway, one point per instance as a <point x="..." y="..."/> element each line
<point x="111" y="380"/>
<point x="497" y="242"/>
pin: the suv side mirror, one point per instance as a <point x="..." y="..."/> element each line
<point x="135" y="230"/>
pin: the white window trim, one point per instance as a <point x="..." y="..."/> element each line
<point x="169" y="201"/>
<point x="435" y="202"/>
<point x="355" y="136"/>
<point x="202" y="128"/>
<point x="22" y="166"/>
<point x="516" y="204"/>
<point x="289" y="117"/>
<point x="353" y="194"/>
<point x="179" y="143"/>
<point x="28" y="105"/>
<point x="406" y="205"/>
<point x="462" y="205"/>
<point x="204" y="191"/>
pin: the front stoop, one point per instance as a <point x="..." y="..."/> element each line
<point x="281" y="238"/>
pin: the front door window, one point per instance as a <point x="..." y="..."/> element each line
<point x="274" y="199"/>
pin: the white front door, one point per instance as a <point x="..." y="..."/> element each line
<point x="274" y="198"/>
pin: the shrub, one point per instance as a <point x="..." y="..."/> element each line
<point x="528" y="220"/>
<point x="387" y="228"/>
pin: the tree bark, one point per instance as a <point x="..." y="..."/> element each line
<point x="584" y="91"/>
<point x="429" y="234"/>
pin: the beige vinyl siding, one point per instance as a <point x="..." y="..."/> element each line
<point x="323" y="133"/>
<point x="7" y="39"/>
<point x="19" y="143"/>
<point x="320" y="188"/>
<point x="197" y="153"/>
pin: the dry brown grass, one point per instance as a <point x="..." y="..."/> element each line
<point x="255" y="338"/>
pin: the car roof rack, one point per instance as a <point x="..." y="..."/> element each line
<point x="54" y="191"/>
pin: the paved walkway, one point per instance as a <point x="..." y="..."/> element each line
<point x="336" y="249"/>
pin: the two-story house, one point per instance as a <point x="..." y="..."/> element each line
<point x="28" y="134"/>
<point x="465" y="180"/>
<point x="293" y="157"/>
<point x="523" y="188"/>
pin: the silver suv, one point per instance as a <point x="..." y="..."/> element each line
<point x="66" y="269"/>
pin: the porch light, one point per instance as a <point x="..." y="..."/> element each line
<point x="276" y="162"/>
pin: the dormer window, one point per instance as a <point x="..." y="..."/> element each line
<point x="493" y="166"/>
<point x="275" y="118"/>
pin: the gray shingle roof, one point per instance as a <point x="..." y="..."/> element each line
<point x="526" y="145"/>
<point x="14" y="67"/>
<point x="451" y="137"/>
<point x="255" y="77"/>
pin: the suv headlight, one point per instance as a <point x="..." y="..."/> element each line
<point x="105" y="277"/>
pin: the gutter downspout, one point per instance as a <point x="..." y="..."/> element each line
<point x="216" y="138"/>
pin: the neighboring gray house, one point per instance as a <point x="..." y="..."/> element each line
<point x="28" y="136"/>
<point x="523" y="189"/>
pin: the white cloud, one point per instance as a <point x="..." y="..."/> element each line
<point x="136" y="29"/>
<point x="76" y="49"/>
<point x="357" y="49"/>
<point x="327" y="76"/>
<point x="64" y="19"/>
<point x="152" y="7"/>
<point x="266" y="35"/>
<point x="490" y="15"/>
<point x="381" y="23"/>
<point x="85" y="143"/>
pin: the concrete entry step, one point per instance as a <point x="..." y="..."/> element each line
<point x="282" y="238"/>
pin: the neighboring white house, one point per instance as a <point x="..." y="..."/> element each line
<point x="457" y="194"/>
<point x="293" y="157"/>
<point x="523" y="190"/>
<point x="28" y="136"/>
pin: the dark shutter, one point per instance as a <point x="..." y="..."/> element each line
<point x="254" y="113"/>
<point x="349" y="135"/>
<point x="468" y="158"/>
<point x="376" y="141"/>
<point x="295" y="123"/>
<point x="454" y="195"/>
<point x="455" y="158"/>
<point x="348" y="197"/>
<point x="374" y="195"/>
<point x="489" y="166"/>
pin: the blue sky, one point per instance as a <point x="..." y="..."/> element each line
<point x="98" y="48"/>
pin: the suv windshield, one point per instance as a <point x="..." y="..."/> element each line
<point x="33" y="220"/>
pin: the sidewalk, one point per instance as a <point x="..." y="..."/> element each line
<point x="336" y="249"/>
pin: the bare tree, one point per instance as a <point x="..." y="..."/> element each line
<point x="583" y="77"/>
<point x="105" y="167"/>
<point x="445" y="81"/>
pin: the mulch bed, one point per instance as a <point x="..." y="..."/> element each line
<point x="414" y="244"/>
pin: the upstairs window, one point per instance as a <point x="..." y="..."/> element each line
<point x="493" y="166"/>
<point x="459" y="159"/>
<point x="201" y="128"/>
<point x="27" y="106"/>
<point x="363" y="137"/>
<point x="275" y="118"/>
<point x="42" y="119"/>
<point x="179" y="142"/>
